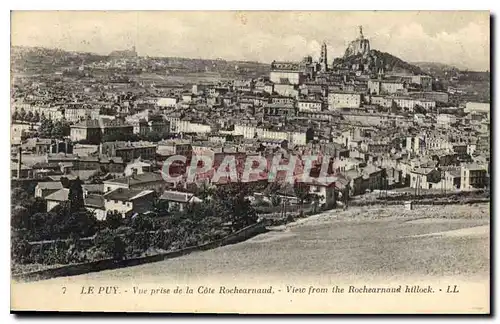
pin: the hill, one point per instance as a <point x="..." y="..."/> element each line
<point x="376" y="60"/>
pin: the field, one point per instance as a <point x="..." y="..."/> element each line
<point x="360" y="243"/>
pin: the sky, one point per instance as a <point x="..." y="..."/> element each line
<point x="460" y="38"/>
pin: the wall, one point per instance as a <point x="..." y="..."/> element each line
<point x="107" y="264"/>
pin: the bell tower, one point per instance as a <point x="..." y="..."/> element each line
<point x="323" y="60"/>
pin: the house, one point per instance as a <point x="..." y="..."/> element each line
<point x="326" y="192"/>
<point x="92" y="131"/>
<point x="41" y="170"/>
<point x="97" y="188"/>
<point x="167" y="102"/>
<point x="473" y="176"/>
<point x="425" y="178"/>
<point x="356" y="183"/>
<point x="128" y="201"/>
<point x="380" y="86"/>
<point x="337" y="100"/>
<point x="56" y="198"/>
<point x="43" y="189"/>
<point x="137" y="166"/>
<point x="87" y="130"/>
<point x="85" y="149"/>
<point x="309" y="105"/>
<point x="445" y="120"/>
<point x="452" y="178"/>
<point x="373" y="177"/>
<point x="394" y="177"/>
<point x="145" y="181"/>
<point x="279" y="110"/>
<point x="19" y="170"/>
<point x="38" y="146"/>
<point x="95" y="204"/>
<point x="179" y="200"/>
<point x="92" y="202"/>
<point x="129" y="151"/>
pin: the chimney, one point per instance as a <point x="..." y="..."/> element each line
<point x="19" y="162"/>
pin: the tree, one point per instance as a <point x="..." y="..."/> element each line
<point x="65" y="182"/>
<point x="142" y="223"/>
<point x="301" y="191"/>
<point x="36" y="117"/>
<point x="29" y="116"/>
<point x="111" y="243"/>
<point x="233" y="206"/>
<point x="18" y="195"/>
<point x="57" y="130"/>
<point x="394" y="108"/>
<point x="22" y="114"/>
<point x="20" y="248"/>
<point x="205" y="191"/>
<point x="160" y="207"/>
<point x="419" y="110"/>
<point x="46" y="127"/>
<point x="272" y="192"/>
<point x="20" y="218"/>
<point x="75" y="196"/>
<point x="114" y="220"/>
<point x="316" y="199"/>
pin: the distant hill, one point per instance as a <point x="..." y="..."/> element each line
<point x="377" y="60"/>
<point x="439" y="70"/>
<point x="435" y="66"/>
<point x="47" y="60"/>
<point x="446" y="71"/>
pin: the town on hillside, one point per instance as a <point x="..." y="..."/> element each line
<point x="96" y="138"/>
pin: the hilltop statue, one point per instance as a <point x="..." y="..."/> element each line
<point x="358" y="46"/>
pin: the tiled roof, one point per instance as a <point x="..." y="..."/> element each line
<point x="96" y="201"/>
<point x="49" y="185"/>
<point x="177" y="196"/>
<point x="454" y="172"/>
<point x="60" y="195"/>
<point x="124" y="194"/>
<point x="99" y="187"/>
<point x="92" y="123"/>
<point x="422" y="170"/>
<point x="13" y="166"/>
<point x="138" y="178"/>
<point x="83" y="174"/>
<point x="38" y="141"/>
<point x="58" y="177"/>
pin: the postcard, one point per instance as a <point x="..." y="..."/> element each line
<point x="251" y="162"/>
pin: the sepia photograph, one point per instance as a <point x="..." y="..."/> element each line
<point x="250" y="162"/>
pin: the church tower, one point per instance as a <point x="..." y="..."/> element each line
<point x="323" y="60"/>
